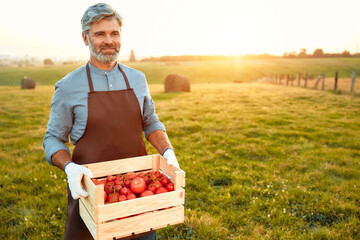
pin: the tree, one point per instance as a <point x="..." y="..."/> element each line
<point x="132" y="56"/>
<point x="302" y="52"/>
<point x="318" y="52"/>
<point x="292" y="54"/>
<point x="345" y="53"/>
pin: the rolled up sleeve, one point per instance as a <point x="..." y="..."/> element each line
<point x="59" y="125"/>
<point x="151" y="120"/>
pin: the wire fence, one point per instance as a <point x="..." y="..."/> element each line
<point x="321" y="82"/>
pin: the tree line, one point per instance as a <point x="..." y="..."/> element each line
<point x="318" y="53"/>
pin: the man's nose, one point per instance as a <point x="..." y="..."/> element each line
<point x="107" y="39"/>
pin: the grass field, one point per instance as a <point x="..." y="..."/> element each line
<point x="202" y="71"/>
<point x="263" y="161"/>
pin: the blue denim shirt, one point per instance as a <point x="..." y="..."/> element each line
<point x="69" y="104"/>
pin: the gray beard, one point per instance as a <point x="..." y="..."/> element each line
<point x="108" y="58"/>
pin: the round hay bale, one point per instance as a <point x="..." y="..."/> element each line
<point x="176" y="83"/>
<point x="27" y="83"/>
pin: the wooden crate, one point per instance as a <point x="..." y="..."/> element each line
<point x="158" y="210"/>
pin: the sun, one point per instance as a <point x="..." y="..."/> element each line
<point x="235" y="39"/>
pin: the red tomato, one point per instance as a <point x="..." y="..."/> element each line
<point x="151" y="175"/>
<point x="124" y="191"/>
<point x="105" y="196"/>
<point x="127" y="182"/>
<point x="165" y="181"/>
<point x="122" y="198"/>
<point x="110" y="178"/>
<point x="114" y="197"/>
<point x="109" y="187"/>
<point x="102" y="182"/>
<point x="170" y="187"/>
<point x="130" y="175"/>
<point x="158" y="184"/>
<point x="138" y="185"/>
<point x="158" y="174"/>
<point x="142" y="175"/>
<point x="119" y="182"/>
<point x="95" y="181"/>
<point x="146" y="193"/>
<point x="161" y="190"/>
<point x="147" y="179"/>
<point x="118" y="177"/>
<point x="117" y="188"/>
<point x="130" y="196"/>
<point x="152" y="187"/>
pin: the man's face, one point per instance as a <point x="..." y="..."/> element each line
<point x="103" y="40"/>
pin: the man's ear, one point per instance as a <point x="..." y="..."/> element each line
<point x="85" y="39"/>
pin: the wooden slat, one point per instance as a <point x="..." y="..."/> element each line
<point x="89" y="187"/>
<point x="99" y="195"/>
<point x="156" y="162"/>
<point x="178" y="180"/>
<point x="120" y="166"/>
<point x="90" y="208"/>
<point x="140" y="205"/>
<point x="89" y="222"/>
<point x="172" y="172"/>
<point x="141" y="223"/>
<point x="96" y="192"/>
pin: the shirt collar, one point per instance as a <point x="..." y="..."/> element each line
<point x="102" y="72"/>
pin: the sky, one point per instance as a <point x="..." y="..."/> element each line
<point x="45" y="28"/>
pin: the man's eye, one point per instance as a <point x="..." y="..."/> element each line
<point x="99" y="34"/>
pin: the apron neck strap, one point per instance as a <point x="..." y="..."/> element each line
<point x="126" y="80"/>
<point x="89" y="78"/>
<point x="91" y="83"/>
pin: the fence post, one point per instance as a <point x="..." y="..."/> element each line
<point x="336" y="81"/>
<point x="352" y="83"/>
<point x="306" y="76"/>
<point x="323" y="81"/>
<point x="317" y="81"/>
<point x="299" y="78"/>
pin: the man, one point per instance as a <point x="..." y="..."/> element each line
<point x="105" y="107"/>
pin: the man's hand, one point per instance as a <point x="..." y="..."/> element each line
<point x="169" y="154"/>
<point x="74" y="174"/>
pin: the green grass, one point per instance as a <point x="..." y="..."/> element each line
<point x="202" y="71"/>
<point x="262" y="161"/>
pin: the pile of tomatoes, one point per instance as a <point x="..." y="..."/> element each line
<point x="133" y="185"/>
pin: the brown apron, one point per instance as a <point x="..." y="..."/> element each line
<point x="114" y="130"/>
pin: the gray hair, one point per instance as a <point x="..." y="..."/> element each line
<point x="97" y="12"/>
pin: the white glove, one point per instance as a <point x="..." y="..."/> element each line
<point x="169" y="154"/>
<point x="74" y="174"/>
